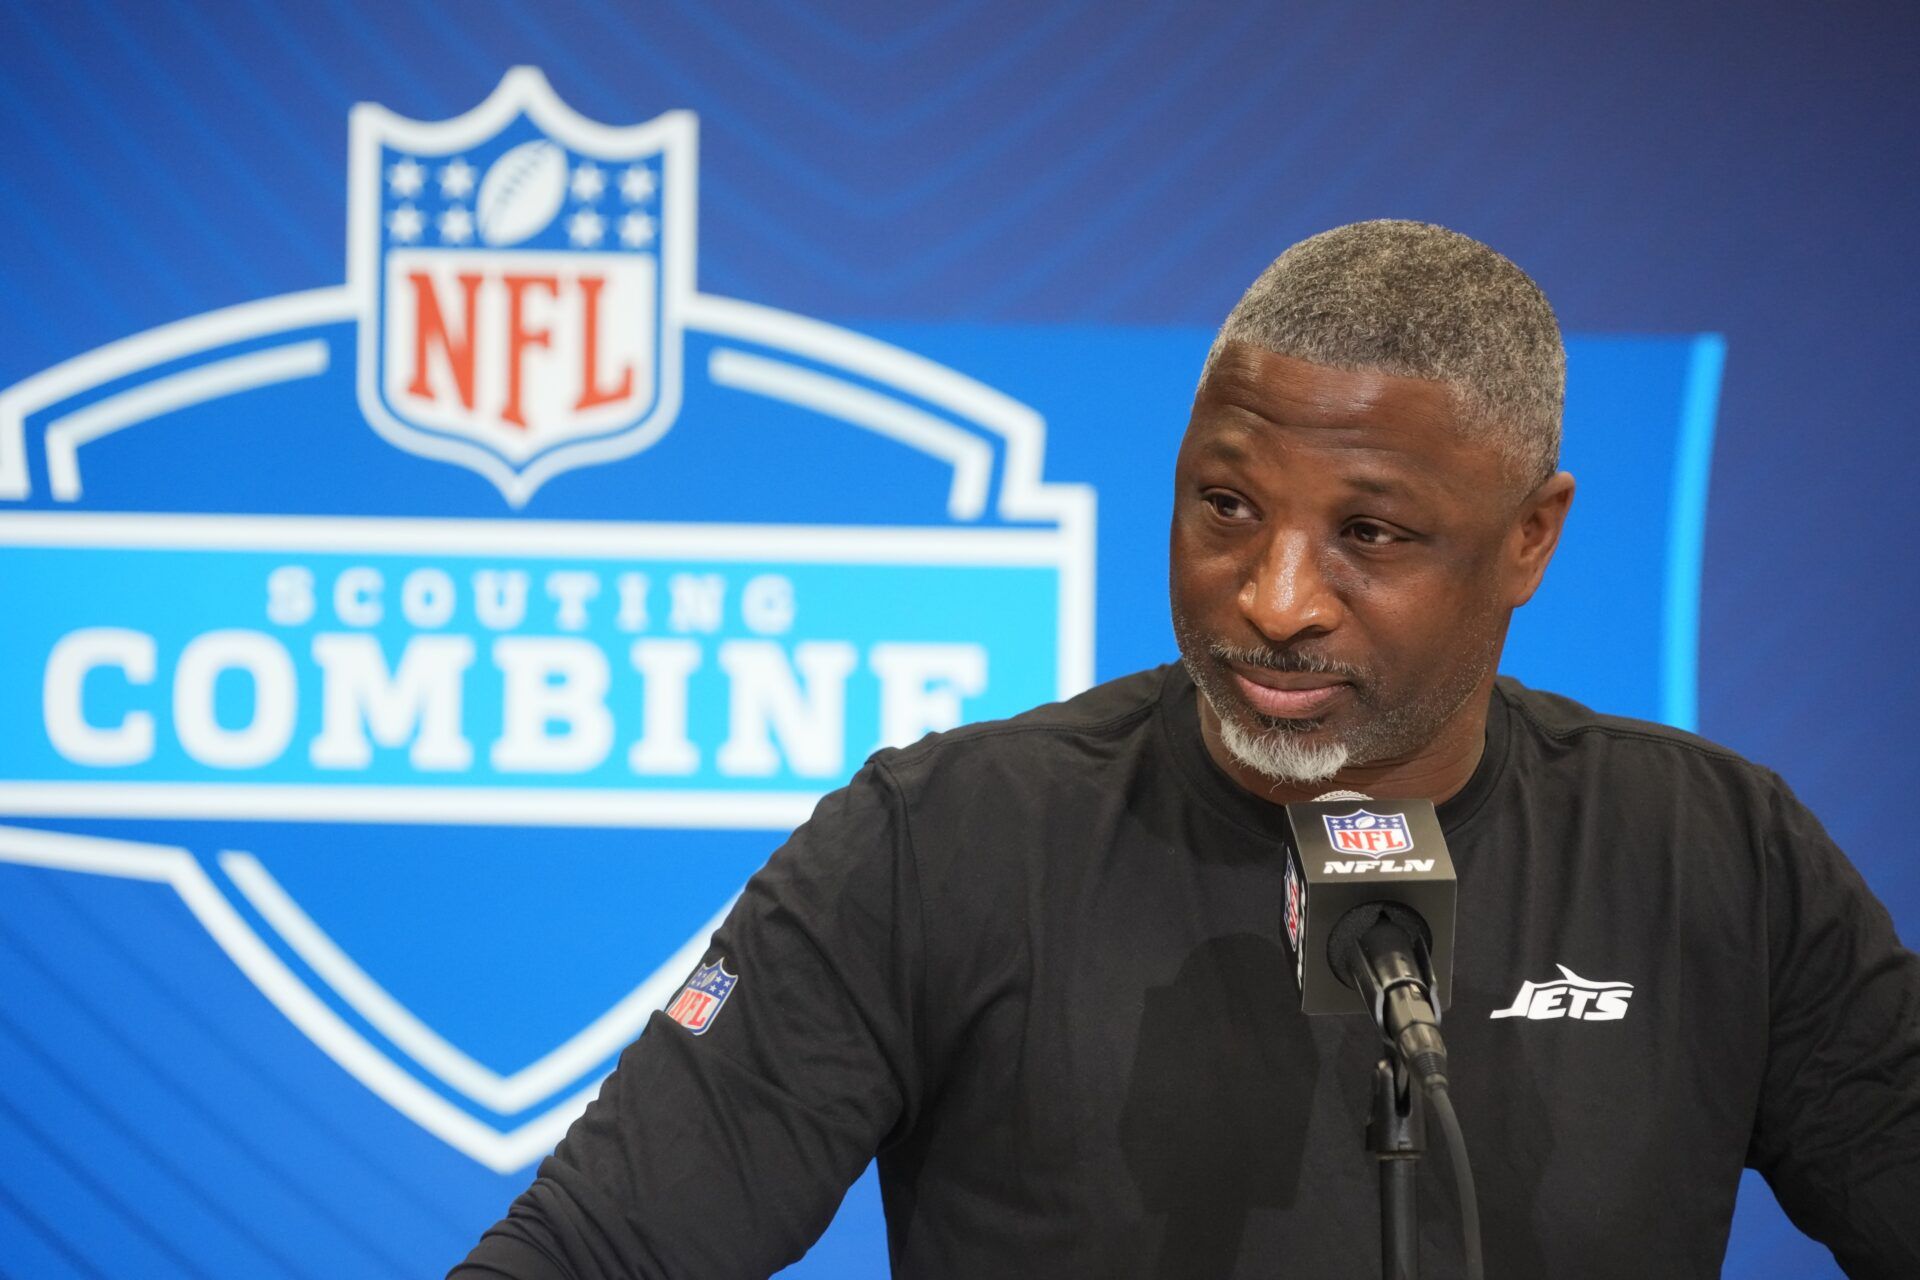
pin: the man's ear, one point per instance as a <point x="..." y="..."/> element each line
<point x="1534" y="535"/>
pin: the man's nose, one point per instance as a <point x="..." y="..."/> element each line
<point x="1287" y="594"/>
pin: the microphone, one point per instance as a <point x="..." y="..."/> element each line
<point x="1370" y="893"/>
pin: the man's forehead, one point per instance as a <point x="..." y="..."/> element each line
<point x="1399" y="434"/>
<point x="1248" y="384"/>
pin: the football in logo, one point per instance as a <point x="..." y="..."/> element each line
<point x="522" y="193"/>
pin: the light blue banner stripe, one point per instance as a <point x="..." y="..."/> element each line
<point x="1686" y="535"/>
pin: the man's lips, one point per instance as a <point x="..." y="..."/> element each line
<point x="1286" y="695"/>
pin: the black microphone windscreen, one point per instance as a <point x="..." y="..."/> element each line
<point x="1347" y="933"/>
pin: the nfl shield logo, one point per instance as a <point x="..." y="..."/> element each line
<point x="1373" y="834"/>
<point x="522" y="273"/>
<point x="700" y="1000"/>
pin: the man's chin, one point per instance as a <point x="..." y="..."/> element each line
<point x="1253" y="722"/>
<point x="1296" y="728"/>
<point x="1294" y="754"/>
<point x="1288" y="749"/>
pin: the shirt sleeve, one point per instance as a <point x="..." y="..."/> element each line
<point x="1838" y="1131"/>
<point x="725" y="1154"/>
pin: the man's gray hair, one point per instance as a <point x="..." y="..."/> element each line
<point x="1419" y="301"/>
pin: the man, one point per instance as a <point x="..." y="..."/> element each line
<point x="1035" y="964"/>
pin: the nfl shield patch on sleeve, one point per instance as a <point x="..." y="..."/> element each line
<point x="698" y="1003"/>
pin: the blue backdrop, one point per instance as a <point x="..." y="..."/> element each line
<point x="290" y="985"/>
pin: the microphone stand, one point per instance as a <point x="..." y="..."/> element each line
<point x="1396" y="1128"/>
<point x="1394" y="1137"/>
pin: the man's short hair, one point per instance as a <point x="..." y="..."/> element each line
<point x="1419" y="301"/>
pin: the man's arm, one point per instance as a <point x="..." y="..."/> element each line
<point x="725" y="1154"/>
<point x="1838" y="1131"/>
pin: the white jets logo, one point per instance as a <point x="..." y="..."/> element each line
<point x="1571" y="997"/>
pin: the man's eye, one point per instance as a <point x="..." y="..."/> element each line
<point x="1228" y="506"/>
<point x="1372" y="535"/>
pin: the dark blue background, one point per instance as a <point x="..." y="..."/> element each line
<point x="1659" y="169"/>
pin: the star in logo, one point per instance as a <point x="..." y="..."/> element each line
<point x="406" y="177"/>
<point x="456" y="179"/>
<point x="456" y="225"/>
<point x="636" y="231"/>
<point x="405" y="224"/>
<point x="586" y="228"/>
<point x="589" y="180"/>
<point x="636" y="184"/>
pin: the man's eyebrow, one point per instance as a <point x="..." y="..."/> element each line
<point x="1377" y="485"/>
<point x="1231" y="447"/>
<point x="1238" y="442"/>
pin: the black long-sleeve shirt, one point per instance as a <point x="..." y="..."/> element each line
<point x="1036" y="966"/>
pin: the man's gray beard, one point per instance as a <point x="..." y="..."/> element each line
<point x="1279" y="751"/>
<point x="1280" y="755"/>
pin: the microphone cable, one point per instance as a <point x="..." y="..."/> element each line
<point x="1435" y="1086"/>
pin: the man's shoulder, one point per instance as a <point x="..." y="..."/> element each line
<point x="1564" y="725"/>
<point x="1081" y="731"/>
<point x="1002" y="771"/>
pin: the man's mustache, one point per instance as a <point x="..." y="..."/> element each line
<point x="1293" y="661"/>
